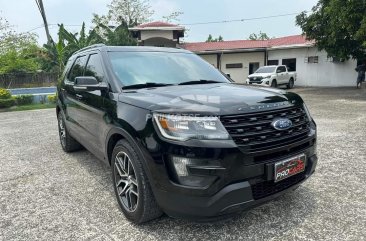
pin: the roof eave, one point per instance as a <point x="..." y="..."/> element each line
<point x="157" y="28"/>
<point x="222" y="51"/>
<point x="292" y="46"/>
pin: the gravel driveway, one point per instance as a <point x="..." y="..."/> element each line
<point x="50" y="195"/>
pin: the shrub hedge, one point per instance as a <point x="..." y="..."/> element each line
<point x="24" y="99"/>
<point x="6" y="103"/>
<point x="4" y="94"/>
<point x="52" y="99"/>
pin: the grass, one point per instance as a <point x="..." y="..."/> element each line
<point x="29" y="107"/>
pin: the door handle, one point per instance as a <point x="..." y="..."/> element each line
<point x="78" y="97"/>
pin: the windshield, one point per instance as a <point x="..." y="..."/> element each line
<point x="266" y="69"/>
<point x="133" y="68"/>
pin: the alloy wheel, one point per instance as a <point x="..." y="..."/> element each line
<point x="62" y="130"/>
<point x="126" y="182"/>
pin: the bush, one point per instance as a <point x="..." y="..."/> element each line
<point x="52" y="99"/>
<point x="24" y="99"/>
<point x="6" y="103"/>
<point x="4" y="94"/>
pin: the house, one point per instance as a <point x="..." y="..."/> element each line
<point x="241" y="58"/>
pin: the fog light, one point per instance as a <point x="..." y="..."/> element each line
<point x="183" y="176"/>
<point x="267" y="83"/>
<point x="180" y="165"/>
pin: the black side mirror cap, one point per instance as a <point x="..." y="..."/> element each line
<point x="89" y="83"/>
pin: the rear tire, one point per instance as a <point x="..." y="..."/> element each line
<point x="68" y="143"/>
<point x="274" y="84"/>
<point x="290" y="84"/>
<point x="132" y="186"/>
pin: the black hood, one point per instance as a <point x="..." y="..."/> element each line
<point x="217" y="99"/>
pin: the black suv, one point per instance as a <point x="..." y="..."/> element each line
<point x="180" y="136"/>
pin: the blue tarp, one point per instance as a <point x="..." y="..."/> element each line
<point x="34" y="91"/>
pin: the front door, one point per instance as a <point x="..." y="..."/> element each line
<point x="92" y="116"/>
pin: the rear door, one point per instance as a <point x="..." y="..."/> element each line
<point x="71" y="98"/>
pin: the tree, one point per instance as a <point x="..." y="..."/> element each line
<point x="260" y="36"/>
<point x="132" y="12"/>
<point x="338" y="27"/>
<point x="18" y="51"/>
<point x="211" y="39"/>
<point x="43" y="14"/>
<point x="173" y="17"/>
<point x="119" y="36"/>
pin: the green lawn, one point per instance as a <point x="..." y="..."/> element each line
<point x="29" y="107"/>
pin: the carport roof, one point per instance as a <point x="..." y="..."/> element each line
<point x="284" y="42"/>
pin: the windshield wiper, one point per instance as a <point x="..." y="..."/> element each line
<point x="198" y="82"/>
<point x="146" y="85"/>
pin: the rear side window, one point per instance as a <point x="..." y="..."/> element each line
<point x="94" y="68"/>
<point x="77" y="69"/>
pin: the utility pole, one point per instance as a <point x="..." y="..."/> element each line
<point x="43" y="14"/>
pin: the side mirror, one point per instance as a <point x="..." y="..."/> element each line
<point x="278" y="71"/>
<point x="89" y="83"/>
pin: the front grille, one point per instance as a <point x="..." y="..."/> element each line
<point x="254" y="132"/>
<point x="256" y="79"/>
<point x="264" y="189"/>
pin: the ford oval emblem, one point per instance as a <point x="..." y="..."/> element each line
<point x="282" y="124"/>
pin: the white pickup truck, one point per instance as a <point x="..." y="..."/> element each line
<point x="273" y="76"/>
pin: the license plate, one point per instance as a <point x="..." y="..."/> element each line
<point x="290" y="167"/>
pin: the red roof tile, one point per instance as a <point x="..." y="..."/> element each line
<point x="246" y="44"/>
<point x="156" y="24"/>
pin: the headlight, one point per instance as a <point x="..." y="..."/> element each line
<point x="267" y="77"/>
<point x="307" y="112"/>
<point x="183" y="128"/>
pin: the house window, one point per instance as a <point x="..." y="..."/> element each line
<point x="273" y="62"/>
<point x="234" y="66"/>
<point x="253" y="67"/>
<point x="312" y="60"/>
<point x="290" y="63"/>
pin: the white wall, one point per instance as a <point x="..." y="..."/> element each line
<point x="322" y="74"/>
<point x="238" y="74"/>
<point x="146" y="34"/>
<point x="241" y="75"/>
<point x="211" y="58"/>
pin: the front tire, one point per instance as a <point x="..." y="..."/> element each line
<point x="274" y="84"/>
<point x="68" y="143"/>
<point x="131" y="185"/>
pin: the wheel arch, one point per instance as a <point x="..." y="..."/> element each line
<point x="114" y="135"/>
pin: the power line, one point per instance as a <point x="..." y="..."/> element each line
<point x="241" y="20"/>
<point x="198" y="23"/>
<point x="54" y="24"/>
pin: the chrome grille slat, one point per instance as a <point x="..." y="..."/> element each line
<point x="254" y="131"/>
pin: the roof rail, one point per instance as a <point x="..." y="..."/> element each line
<point x="90" y="47"/>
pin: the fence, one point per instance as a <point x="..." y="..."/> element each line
<point x="28" y="80"/>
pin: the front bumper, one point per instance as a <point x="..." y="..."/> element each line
<point x="265" y="82"/>
<point x="232" y="198"/>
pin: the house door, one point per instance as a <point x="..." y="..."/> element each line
<point x="253" y="67"/>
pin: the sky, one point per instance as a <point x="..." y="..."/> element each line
<point x="24" y="16"/>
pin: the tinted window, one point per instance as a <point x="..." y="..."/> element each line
<point x="77" y="69"/>
<point x="161" y="67"/>
<point x="94" y="68"/>
<point x="281" y="69"/>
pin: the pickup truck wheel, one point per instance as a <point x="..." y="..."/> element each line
<point x="68" y="143"/>
<point x="274" y="84"/>
<point x="290" y="84"/>
<point x="131" y="185"/>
